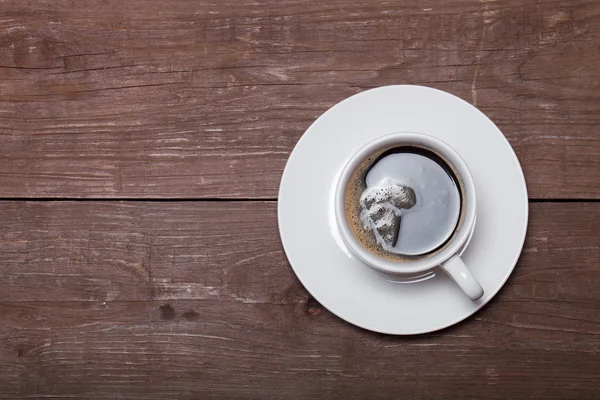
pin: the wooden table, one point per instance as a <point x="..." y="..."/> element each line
<point x="141" y="147"/>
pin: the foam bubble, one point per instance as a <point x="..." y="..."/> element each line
<point x="382" y="207"/>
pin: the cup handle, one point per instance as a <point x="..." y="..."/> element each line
<point x="463" y="277"/>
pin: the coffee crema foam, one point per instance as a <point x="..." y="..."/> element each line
<point x="376" y="225"/>
<point x="381" y="209"/>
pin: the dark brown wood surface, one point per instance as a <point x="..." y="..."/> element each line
<point x="186" y="99"/>
<point x="187" y="110"/>
<point x="135" y="298"/>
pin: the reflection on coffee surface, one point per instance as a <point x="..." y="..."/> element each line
<point x="404" y="203"/>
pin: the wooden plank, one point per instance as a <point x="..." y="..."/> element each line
<point x="176" y="299"/>
<point x="202" y="100"/>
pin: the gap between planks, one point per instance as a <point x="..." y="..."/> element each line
<point x="221" y="199"/>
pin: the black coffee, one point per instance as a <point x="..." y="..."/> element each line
<point x="404" y="203"/>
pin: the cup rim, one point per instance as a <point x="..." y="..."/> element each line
<point x="408" y="139"/>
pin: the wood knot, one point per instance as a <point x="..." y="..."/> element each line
<point x="191" y="315"/>
<point x="167" y="312"/>
<point x="312" y="307"/>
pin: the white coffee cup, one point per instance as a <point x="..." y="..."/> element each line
<point x="448" y="257"/>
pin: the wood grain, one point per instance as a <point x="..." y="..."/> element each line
<point x="189" y="99"/>
<point x="152" y="300"/>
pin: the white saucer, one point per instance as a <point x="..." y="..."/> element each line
<point x="343" y="284"/>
